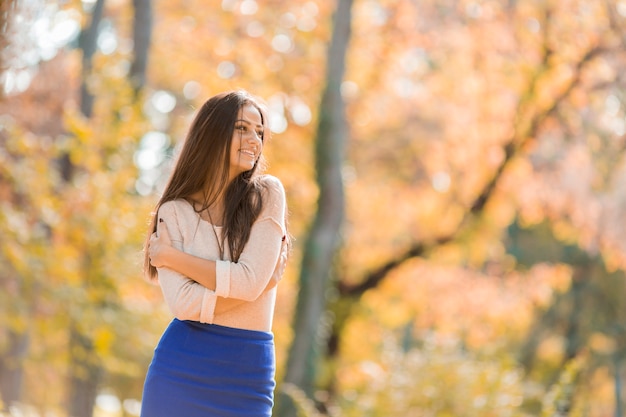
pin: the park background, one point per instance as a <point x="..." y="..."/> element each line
<point x="456" y="179"/>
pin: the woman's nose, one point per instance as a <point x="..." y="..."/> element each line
<point x="255" y="137"/>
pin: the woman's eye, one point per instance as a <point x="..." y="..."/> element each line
<point x="244" y="128"/>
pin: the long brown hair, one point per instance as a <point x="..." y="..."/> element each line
<point x="203" y="165"/>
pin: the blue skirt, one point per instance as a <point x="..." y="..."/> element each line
<point x="201" y="370"/>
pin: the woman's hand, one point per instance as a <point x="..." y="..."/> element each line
<point x="160" y="246"/>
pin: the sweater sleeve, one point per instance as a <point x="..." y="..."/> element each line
<point x="186" y="299"/>
<point x="259" y="262"/>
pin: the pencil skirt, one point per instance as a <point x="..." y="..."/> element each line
<point x="201" y="370"/>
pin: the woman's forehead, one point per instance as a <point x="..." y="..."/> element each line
<point x="250" y="114"/>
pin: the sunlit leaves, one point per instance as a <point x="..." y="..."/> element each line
<point x="71" y="247"/>
<point x="439" y="378"/>
<point x="435" y="90"/>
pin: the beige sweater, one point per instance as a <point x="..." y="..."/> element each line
<point x="245" y="292"/>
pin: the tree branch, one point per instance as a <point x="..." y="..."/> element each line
<point x="511" y="149"/>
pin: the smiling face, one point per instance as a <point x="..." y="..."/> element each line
<point x="247" y="140"/>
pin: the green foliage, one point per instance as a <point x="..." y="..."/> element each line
<point x="304" y="406"/>
<point x="559" y="400"/>
<point x="71" y="250"/>
<point x="440" y="378"/>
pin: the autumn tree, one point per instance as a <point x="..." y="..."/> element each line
<point x="325" y="232"/>
<point x="544" y="94"/>
<point x="85" y="370"/>
<point x="584" y="318"/>
<point x="464" y="120"/>
<point x="74" y="244"/>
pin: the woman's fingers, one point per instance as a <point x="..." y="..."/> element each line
<point x="159" y="241"/>
<point x="163" y="233"/>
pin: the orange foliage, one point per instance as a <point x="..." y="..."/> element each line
<point x="434" y="90"/>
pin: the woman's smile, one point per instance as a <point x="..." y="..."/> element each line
<point x="247" y="141"/>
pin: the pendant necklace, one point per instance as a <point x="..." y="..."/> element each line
<point x="219" y="245"/>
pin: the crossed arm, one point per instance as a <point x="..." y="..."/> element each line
<point x="193" y="285"/>
<point x="164" y="255"/>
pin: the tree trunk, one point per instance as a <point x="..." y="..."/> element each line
<point x="617" y="385"/>
<point x="11" y="367"/>
<point x="84" y="369"/>
<point x="87" y="43"/>
<point x="85" y="375"/>
<point x="142" y="34"/>
<point x="7" y="8"/>
<point x="578" y="291"/>
<point x="324" y="236"/>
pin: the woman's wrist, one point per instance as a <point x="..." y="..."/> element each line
<point x="169" y="256"/>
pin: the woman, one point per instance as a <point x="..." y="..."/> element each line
<point x="218" y="245"/>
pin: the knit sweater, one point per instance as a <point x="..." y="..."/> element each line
<point x="245" y="292"/>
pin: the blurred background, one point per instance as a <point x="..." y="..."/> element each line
<point x="456" y="179"/>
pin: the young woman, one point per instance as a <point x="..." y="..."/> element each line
<point x="217" y="245"/>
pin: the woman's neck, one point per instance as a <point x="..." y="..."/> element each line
<point x="214" y="213"/>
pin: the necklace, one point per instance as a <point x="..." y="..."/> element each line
<point x="219" y="244"/>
